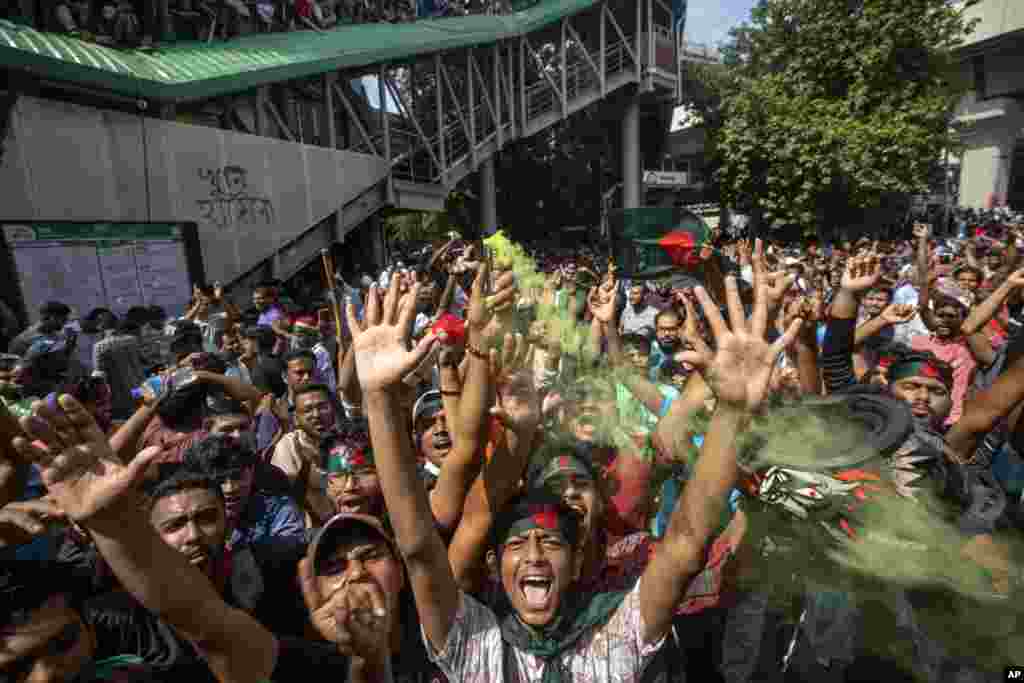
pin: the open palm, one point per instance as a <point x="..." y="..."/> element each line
<point x="380" y="341"/>
<point x="79" y="468"/>
<point x="740" y="367"/>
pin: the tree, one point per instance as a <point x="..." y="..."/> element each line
<point x="835" y="107"/>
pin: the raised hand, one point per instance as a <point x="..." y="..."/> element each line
<point x="380" y="341"/>
<point x="83" y="475"/>
<point x="485" y="313"/>
<point x="21" y="522"/>
<point x="861" y="274"/>
<point x="518" y="403"/>
<point x="353" y="617"/>
<point x="740" y="368"/>
<point x="603" y="301"/>
<point x="897" y="314"/>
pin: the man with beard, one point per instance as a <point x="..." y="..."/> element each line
<point x="299" y="452"/>
<point x="926" y="384"/>
<point x="668" y="330"/>
<point x="548" y="631"/>
<point x="639" y="314"/>
<point x="253" y="516"/>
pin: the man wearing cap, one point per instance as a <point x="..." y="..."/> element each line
<point x="551" y="632"/>
<point x="433" y="440"/>
<point x="352" y="580"/>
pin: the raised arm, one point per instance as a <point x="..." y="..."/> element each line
<point x="924" y="282"/>
<point x="93" y="488"/>
<point x="513" y="430"/>
<point x="987" y="309"/>
<point x="462" y="466"/>
<point x="382" y="360"/>
<point x="739" y="371"/>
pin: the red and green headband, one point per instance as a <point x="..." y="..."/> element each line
<point x="545" y="516"/>
<point x="916" y="368"/>
<point x="344" y="460"/>
<point x="564" y="465"/>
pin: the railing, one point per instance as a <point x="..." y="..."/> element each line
<point x="411" y="159"/>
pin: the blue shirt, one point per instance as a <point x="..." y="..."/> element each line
<point x="269" y="519"/>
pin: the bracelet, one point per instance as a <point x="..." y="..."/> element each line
<point x="473" y="351"/>
<point x="451" y="393"/>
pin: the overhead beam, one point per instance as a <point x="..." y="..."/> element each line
<point x="350" y="110"/>
<point x="458" y="108"/>
<point x="419" y="130"/>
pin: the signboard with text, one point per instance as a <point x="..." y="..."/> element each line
<point x="666" y="178"/>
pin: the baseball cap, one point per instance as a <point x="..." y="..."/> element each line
<point x="427" y="405"/>
<point x="343" y="526"/>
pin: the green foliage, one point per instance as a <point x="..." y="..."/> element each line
<point x="834" y="107"/>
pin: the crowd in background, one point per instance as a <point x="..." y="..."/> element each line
<point x="490" y="463"/>
<point x="153" y="23"/>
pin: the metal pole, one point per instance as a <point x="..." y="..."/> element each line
<point x="631" y="156"/>
<point x="488" y="197"/>
<point x="945" y="221"/>
<point x="439" y="96"/>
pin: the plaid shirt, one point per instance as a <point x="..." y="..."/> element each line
<point x="118" y="357"/>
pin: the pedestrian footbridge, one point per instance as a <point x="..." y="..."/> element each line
<point x="276" y="145"/>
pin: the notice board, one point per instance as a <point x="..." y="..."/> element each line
<point x="108" y="265"/>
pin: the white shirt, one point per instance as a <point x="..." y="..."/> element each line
<point x="612" y="653"/>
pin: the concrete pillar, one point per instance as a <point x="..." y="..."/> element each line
<point x="488" y="198"/>
<point x="632" y="194"/>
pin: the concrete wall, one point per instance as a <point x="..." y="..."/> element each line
<point x="989" y="130"/>
<point x="996" y="17"/>
<point x="248" y="195"/>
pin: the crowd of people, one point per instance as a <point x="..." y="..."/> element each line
<point x="500" y="464"/>
<point x="152" y="23"/>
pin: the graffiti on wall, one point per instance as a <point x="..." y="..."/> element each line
<point x="230" y="201"/>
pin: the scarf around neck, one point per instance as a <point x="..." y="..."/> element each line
<point x="576" y="618"/>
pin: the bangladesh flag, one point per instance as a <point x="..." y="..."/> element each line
<point x="651" y="242"/>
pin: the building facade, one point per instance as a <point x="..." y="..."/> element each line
<point x="990" y="118"/>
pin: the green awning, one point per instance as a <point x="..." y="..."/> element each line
<point x="186" y="71"/>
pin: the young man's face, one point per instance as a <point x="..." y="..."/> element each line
<point x="636" y="295"/>
<point x="435" y="441"/>
<point x="237" y="491"/>
<point x="356" y="491"/>
<point x="875" y="302"/>
<point x="948" y="320"/>
<point x="638" y="356"/>
<point x="53" y="645"/>
<point x="314" y="414"/>
<point x="668" y="328"/>
<point x="299" y="373"/>
<point x="193" y="523"/>
<point x="968" y="280"/>
<point x="928" y="397"/>
<point x="250" y="347"/>
<point x="994" y="260"/>
<point x="590" y="414"/>
<point x="579" y="491"/>
<point x="537" y="569"/>
<point x="361" y="559"/>
<point x="262" y="299"/>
